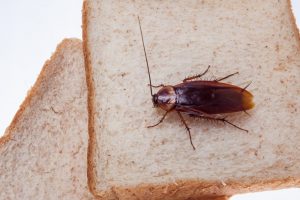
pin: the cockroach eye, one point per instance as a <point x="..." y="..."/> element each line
<point x="154" y="100"/>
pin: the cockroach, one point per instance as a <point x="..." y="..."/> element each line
<point x="199" y="98"/>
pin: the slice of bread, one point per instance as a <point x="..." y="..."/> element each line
<point x="259" y="39"/>
<point x="43" y="152"/>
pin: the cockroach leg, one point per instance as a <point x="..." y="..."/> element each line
<point x="187" y="128"/>
<point x="228" y="122"/>
<point x="221" y="79"/>
<point x="157" y="86"/>
<point x="246" y="86"/>
<point x="246" y="113"/>
<point x="161" y="120"/>
<point x="196" y="76"/>
<point x="224" y="120"/>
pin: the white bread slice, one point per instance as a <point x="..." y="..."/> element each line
<point x="257" y="38"/>
<point x="43" y="152"/>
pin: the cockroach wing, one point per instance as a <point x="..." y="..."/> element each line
<point x="211" y="97"/>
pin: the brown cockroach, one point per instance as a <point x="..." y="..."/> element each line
<point x="198" y="98"/>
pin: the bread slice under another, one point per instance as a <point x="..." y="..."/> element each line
<point x="43" y="153"/>
<point x="259" y="39"/>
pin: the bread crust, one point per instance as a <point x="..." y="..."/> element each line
<point x="194" y="189"/>
<point x="197" y="190"/>
<point x="35" y="89"/>
<point x="183" y="189"/>
<point x="91" y="173"/>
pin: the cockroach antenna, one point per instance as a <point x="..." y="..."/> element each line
<point x="145" y="56"/>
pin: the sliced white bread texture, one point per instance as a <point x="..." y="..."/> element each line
<point x="258" y="39"/>
<point x="43" y="152"/>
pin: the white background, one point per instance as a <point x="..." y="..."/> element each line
<point x="30" y="31"/>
